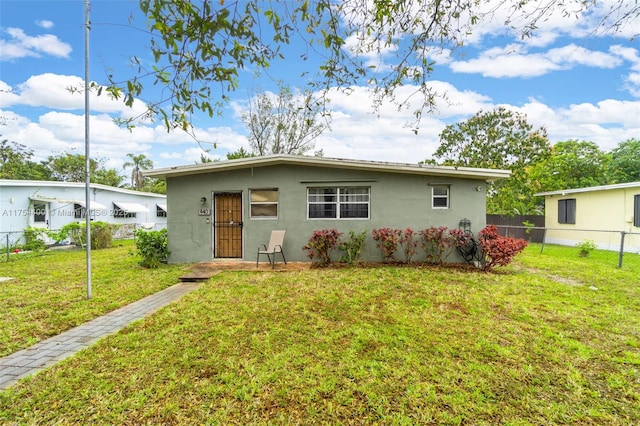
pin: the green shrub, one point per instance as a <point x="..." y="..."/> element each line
<point x="73" y="231"/>
<point x="34" y="238"/>
<point x="152" y="247"/>
<point x="586" y="247"/>
<point x="101" y="234"/>
<point x="69" y="231"/>
<point x="352" y="248"/>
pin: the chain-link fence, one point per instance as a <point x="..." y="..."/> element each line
<point x="617" y="243"/>
<point x="15" y="241"/>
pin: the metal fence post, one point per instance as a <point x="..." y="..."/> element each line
<point x="622" y="234"/>
<point x="8" y="247"/>
<point x="544" y="237"/>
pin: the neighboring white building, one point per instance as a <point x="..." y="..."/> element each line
<point x="599" y="213"/>
<point x="53" y="204"/>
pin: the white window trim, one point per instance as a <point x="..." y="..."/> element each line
<point x="447" y="197"/>
<point x="338" y="202"/>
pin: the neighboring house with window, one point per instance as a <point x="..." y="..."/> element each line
<point x="227" y="209"/>
<point x="53" y="204"/>
<point x="599" y="213"/>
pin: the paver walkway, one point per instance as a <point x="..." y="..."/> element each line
<point x="48" y="352"/>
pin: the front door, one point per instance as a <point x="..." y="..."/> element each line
<point x="227" y="225"/>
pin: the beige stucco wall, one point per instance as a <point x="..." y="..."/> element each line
<point x="601" y="216"/>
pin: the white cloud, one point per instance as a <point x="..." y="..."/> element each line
<point x="511" y="19"/>
<point x="552" y="20"/>
<point x="20" y="45"/>
<point x="66" y="92"/>
<point x="372" y="51"/>
<point x="633" y="84"/>
<point x="355" y="132"/>
<point x="44" y="23"/>
<point x="572" y="54"/>
<point x="632" y="80"/>
<point x="191" y="155"/>
<point x="514" y="61"/>
<point x="606" y="123"/>
<point x="628" y="53"/>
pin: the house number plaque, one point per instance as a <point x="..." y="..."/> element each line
<point x="204" y="212"/>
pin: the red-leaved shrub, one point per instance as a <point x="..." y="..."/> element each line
<point x="437" y="243"/>
<point x="409" y="244"/>
<point x="496" y="249"/>
<point x="387" y="240"/>
<point x="321" y="244"/>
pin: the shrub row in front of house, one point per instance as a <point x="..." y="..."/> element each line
<point x="437" y="244"/>
<point x="75" y="232"/>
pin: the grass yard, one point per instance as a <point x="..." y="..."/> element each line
<point x="552" y="339"/>
<point x="48" y="294"/>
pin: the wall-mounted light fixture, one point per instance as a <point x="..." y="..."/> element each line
<point x="478" y="188"/>
<point x="465" y="224"/>
<point x="203" y="200"/>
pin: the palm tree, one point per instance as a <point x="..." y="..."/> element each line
<point x="139" y="163"/>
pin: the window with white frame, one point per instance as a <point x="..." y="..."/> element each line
<point x="338" y="203"/>
<point x="264" y="203"/>
<point x="440" y="196"/>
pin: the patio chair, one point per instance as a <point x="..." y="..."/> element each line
<point x="275" y="246"/>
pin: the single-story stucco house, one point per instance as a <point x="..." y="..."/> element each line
<point x="599" y="213"/>
<point x="53" y="204"/>
<point x="227" y="209"/>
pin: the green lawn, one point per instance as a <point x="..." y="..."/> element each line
<point x="552" y="339"/>
<point x="48" y="294"/>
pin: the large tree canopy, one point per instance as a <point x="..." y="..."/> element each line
<point x="498" y="139"/>
<point x="69" y="167"/>
<point x="572" y="164"/>
<point x="201" y="46"/>
<point x="16" y="163"/>
<point x="625" y="162"/>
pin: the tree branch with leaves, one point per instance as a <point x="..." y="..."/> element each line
<point x="200" y="47"/>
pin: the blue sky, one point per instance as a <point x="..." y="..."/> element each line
<point x="576" y="83"/>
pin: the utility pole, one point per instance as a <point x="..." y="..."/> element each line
<point x="87" y="162"/>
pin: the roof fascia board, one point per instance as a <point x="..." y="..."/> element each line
<point x="626" y="185"/>
<point x="59" y="184"/>
<point x="244" y="163"/>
